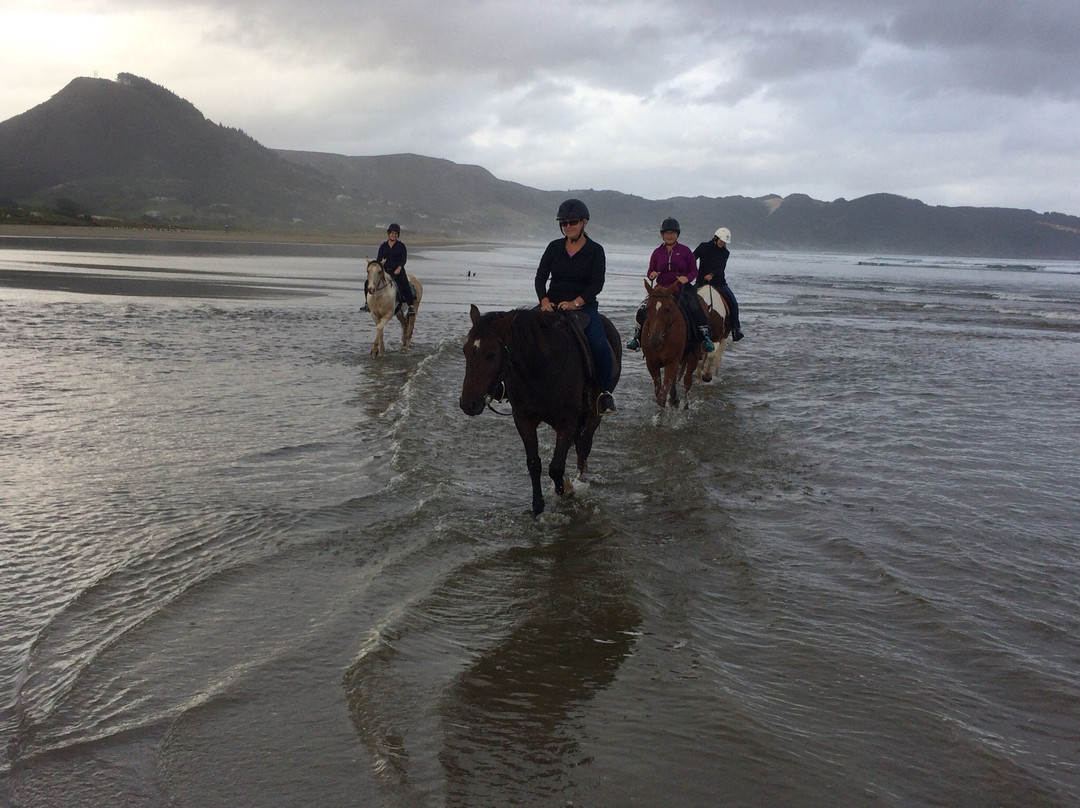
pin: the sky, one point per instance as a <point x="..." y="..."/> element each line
<point x="953" y="102"/>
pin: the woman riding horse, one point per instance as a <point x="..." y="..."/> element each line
<point x="393" y="254"/>
<point x="533" y="359"/>
<point x="673" y="263"/>
<point x="576" y="266"/>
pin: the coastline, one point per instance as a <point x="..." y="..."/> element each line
<point x="29" y="236"/>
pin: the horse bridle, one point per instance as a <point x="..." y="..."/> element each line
<point x="500" y="392"/>
<point x="382" y="284"/>
<point x="670" y="296"/>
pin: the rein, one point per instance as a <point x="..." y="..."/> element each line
<point x="502" y="382"/>
<point x="383" y="282"/>
<point x="670" y="296"/>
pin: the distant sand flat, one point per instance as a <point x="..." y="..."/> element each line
<point x="134" y="286"/>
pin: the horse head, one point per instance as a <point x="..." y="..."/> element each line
<point x="376" y="275"/>
<point x="485" y="351"/>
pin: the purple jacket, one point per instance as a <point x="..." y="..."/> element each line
<point x="681" y="261"/>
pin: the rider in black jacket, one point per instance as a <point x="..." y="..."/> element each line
<point x="712" y="263"/>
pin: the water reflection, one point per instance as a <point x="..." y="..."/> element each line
<point x="509" y="718"/>
<point x="516" y="644"/>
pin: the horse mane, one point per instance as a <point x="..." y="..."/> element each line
<point x="525" y="329"/>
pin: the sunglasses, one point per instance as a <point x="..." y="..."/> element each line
<point x="569" y="222"/>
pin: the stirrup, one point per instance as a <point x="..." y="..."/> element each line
<point x="633" y="345"/>
<point x="605" y="404"/>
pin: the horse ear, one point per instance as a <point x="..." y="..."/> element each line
<point x="474" y="313"/>
<point x="647" y="287"/>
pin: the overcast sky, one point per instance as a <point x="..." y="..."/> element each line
<point x="954" y="102"/>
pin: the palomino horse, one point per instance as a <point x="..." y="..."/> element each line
<point x="665" y="341"/>
<point x="382" y="300"/>
<point x="537" y="361"/>
<point x="713" y="303"/>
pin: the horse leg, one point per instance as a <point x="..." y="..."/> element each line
<point x="583" y="443"/>
<point x="671" y="390"/>
<point x="379" y="346"/>
<point x="688" y="379"/>
<point x="406" y="330"/>
<point x="659" y="391"/>
<point x="532" y="462"/>
<point x="557" y="470"/>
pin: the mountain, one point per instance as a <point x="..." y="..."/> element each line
<point x="125" y="147"/>
<point x="130" y="149"/>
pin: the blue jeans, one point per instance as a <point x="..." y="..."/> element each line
<point x="601" y="349"/>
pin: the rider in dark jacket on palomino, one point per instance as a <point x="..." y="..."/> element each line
<point x="672" y="263"/>
<point x="576" y="266"/>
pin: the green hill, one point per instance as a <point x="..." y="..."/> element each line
<point x="133" y="150"/>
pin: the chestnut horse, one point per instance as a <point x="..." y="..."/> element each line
<point x="716" y="308"/>
<point x="537" y="361"/>
<point x="669" y="350"/>
<point x="382" y="300"/>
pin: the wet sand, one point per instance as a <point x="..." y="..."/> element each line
<point x="47" y="236"/>
<point x="154" y="241"/>
<point x="134" y="286"/>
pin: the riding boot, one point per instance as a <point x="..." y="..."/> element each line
<point x="365" y="306"/>
<point x="635" y="343"/>
<point x="706" y="342"/>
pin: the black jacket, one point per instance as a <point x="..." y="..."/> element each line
<point x="571" y="275"/>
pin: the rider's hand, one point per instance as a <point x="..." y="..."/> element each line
<point x="684" y="280"/>
<point x="545" y="305"/>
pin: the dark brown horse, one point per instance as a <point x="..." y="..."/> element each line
<point x="537" y="361"/>
<point x="665" y="341"/>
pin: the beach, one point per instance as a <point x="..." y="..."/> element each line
<point x="247" y="564"/>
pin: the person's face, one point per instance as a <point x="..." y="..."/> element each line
<point x="392" y="236"/>
<point x="572" y="228"/>
<point x="669" y="236"/>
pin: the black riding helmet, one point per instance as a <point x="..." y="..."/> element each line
<point x="572" y="209"/>
<point x="670" y="224"/>
<point x="394" y="228"/>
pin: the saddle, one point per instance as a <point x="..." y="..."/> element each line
<point x="578" y="321"/>
<point x="401" y="303"/>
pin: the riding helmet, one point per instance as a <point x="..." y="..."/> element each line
<point x="394" y="228"/>
<point x="723" y="234"/>
<point x="670" y="224"/>
<point x="572" y="209"/>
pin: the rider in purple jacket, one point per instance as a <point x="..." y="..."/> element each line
<point x="672" y="263"/>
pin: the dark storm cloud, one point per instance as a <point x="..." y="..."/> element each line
<point x="956" y="103"/>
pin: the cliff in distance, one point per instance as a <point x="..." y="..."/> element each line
<point x="130" y="150"/>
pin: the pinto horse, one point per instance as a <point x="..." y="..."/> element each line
<point x="669" y="350"/>
<point x="539" y="363"/>
<point x="382" y="300"/>
<point x="713" y="303"/>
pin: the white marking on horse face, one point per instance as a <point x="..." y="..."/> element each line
<point x="476" y="344"/>
<point x="658" y="305"/>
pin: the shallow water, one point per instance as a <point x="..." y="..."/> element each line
<point x="244" y="563"/>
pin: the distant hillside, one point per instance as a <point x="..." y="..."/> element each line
<point x="133" y="150"/>
<point x="130" y="147"/>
